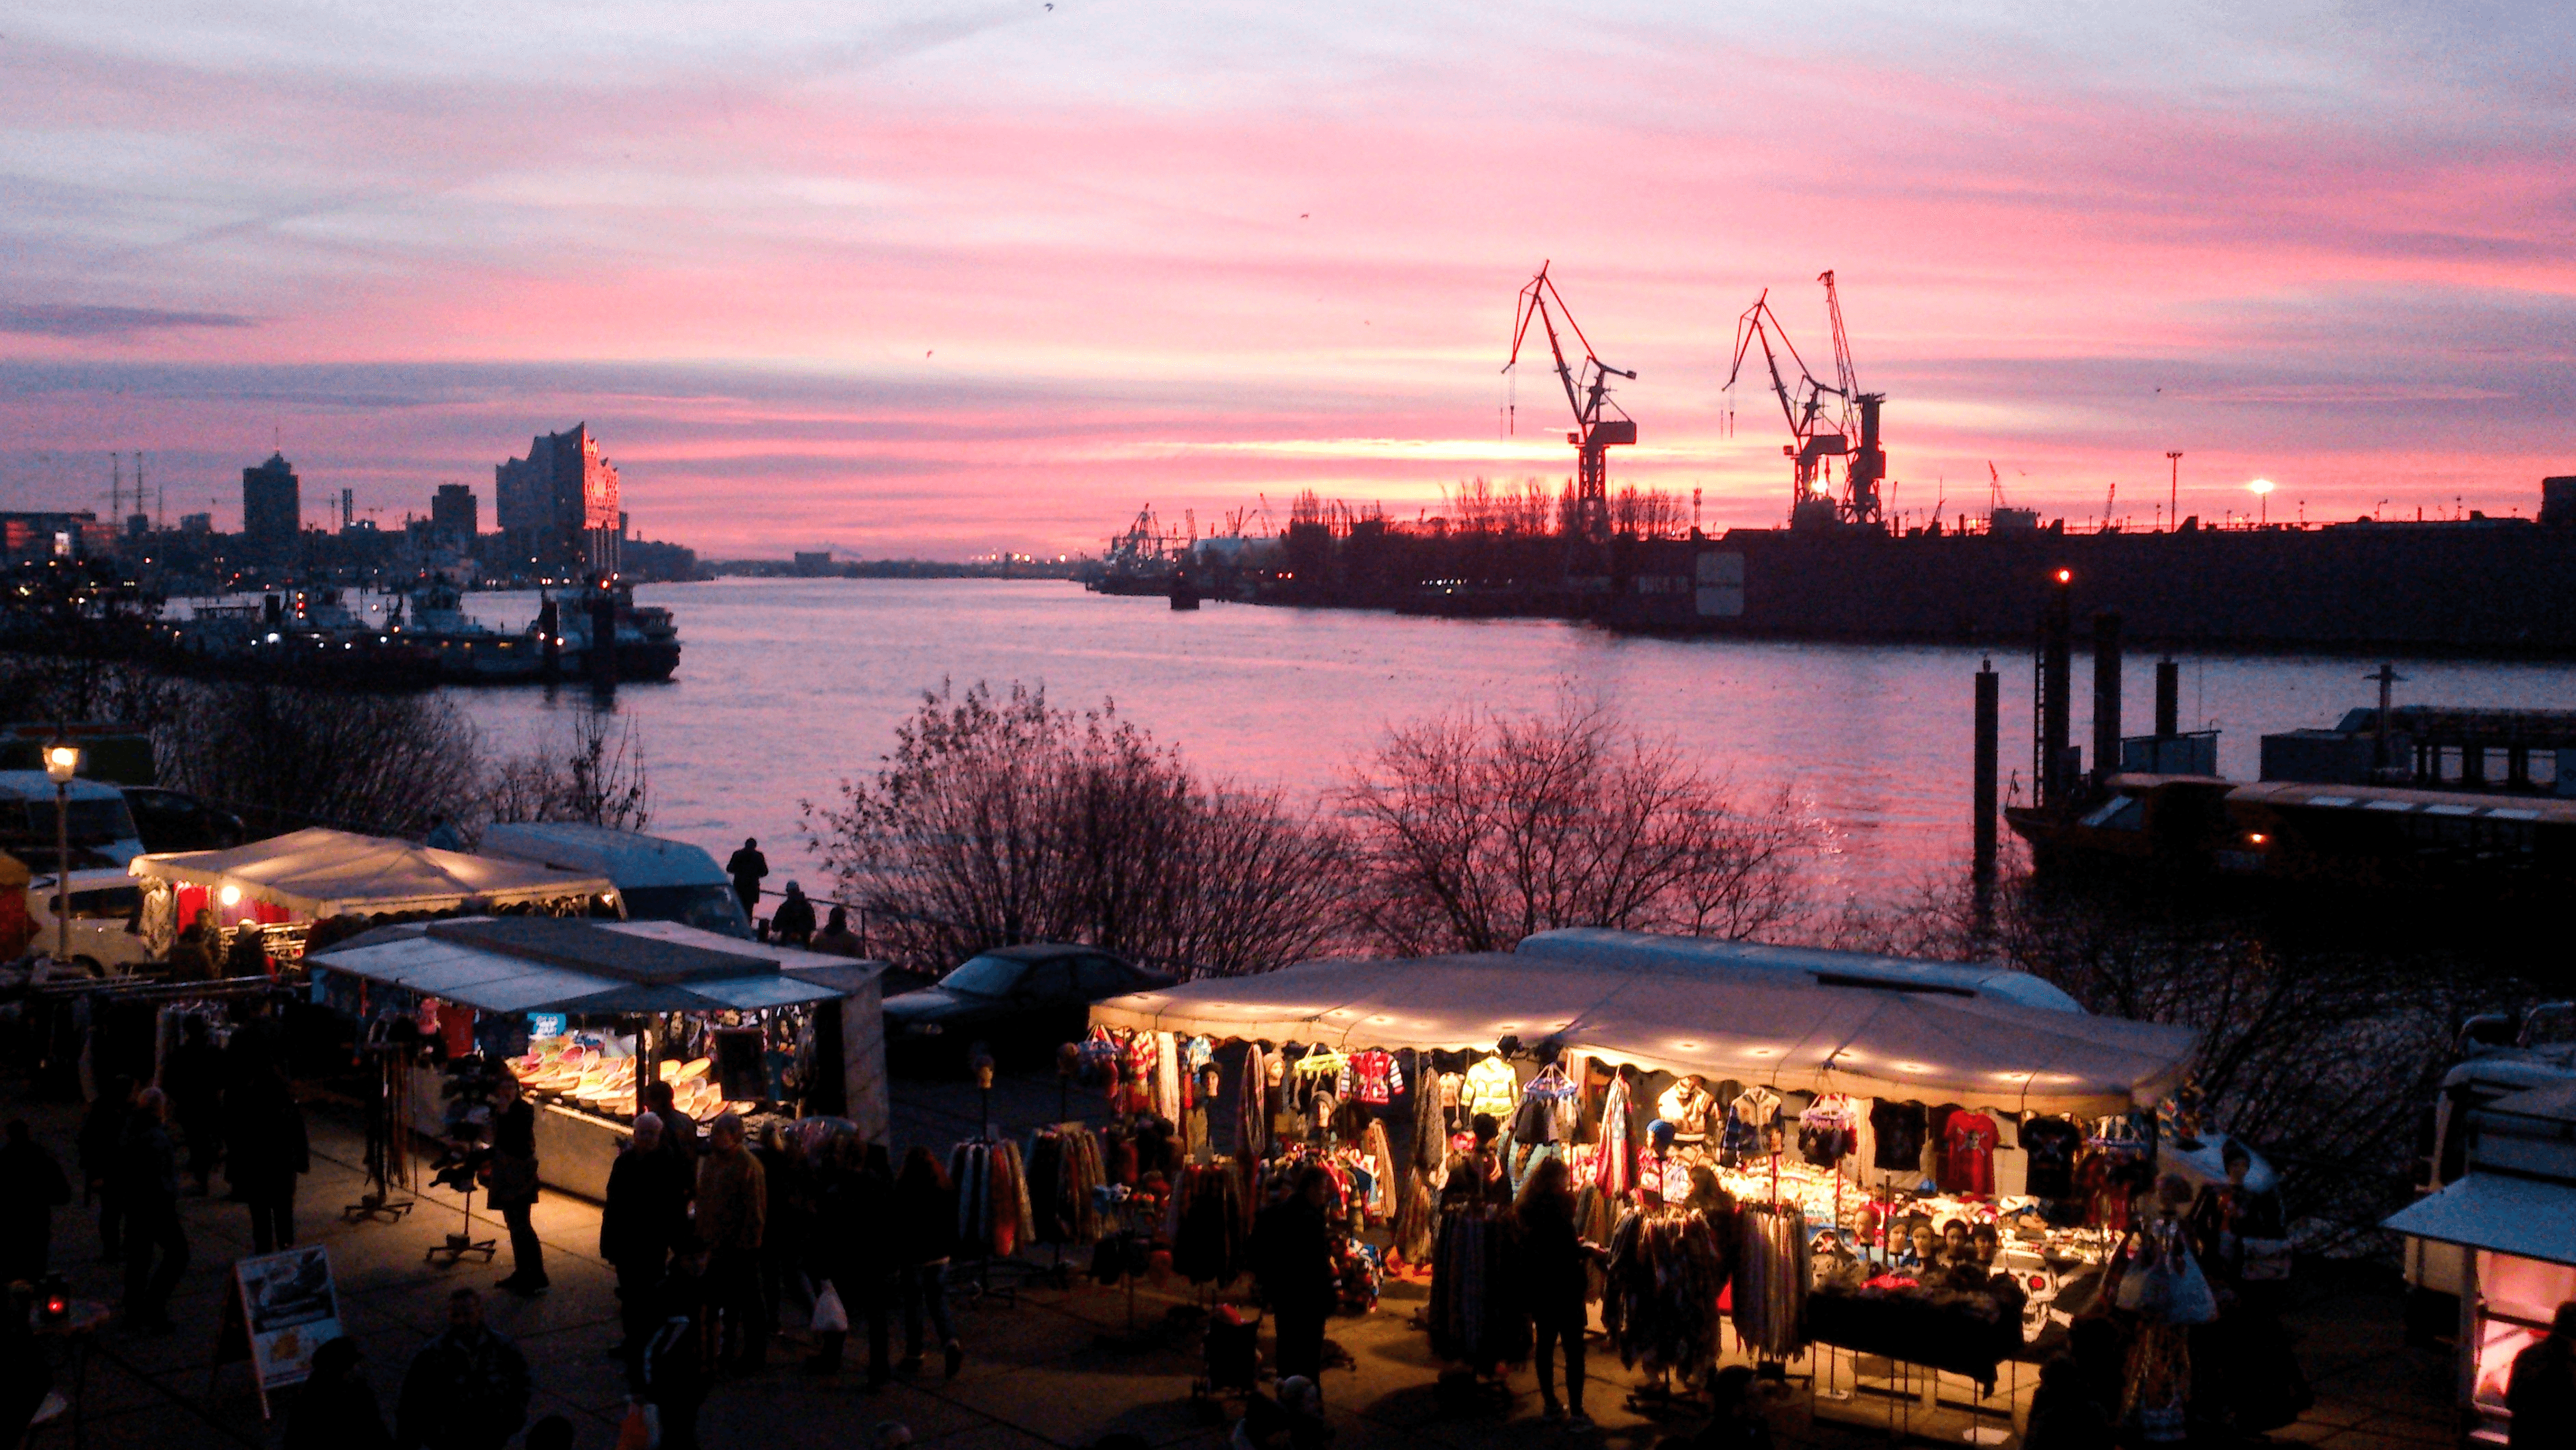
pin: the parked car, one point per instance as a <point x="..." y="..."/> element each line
<point x="173" y="820"/>
<point x="106" y="920"/>
<point x="661" y="880"/>
<point x="1023" y="997"/>
<point x="100" y="826"/>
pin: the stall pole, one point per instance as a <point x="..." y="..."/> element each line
<point x="645" y="1066"/>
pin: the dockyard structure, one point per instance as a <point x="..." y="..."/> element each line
<point x="558" y="506"/>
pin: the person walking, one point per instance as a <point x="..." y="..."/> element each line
<point x="102" y="1141"/>
<point x="679" y="1132"/>
<point x="511" y="1187"/>
<point x="925" y="1235"/>
<point x="793" y="921"/>
<point x="148" y="1176"/>
<point x="836" y="938"/>
<point x="732" y="1210"/>
<point x="2541" y="1394"/>
<point x="853" y="1220"/>
<point x="194" y="1079"/>
<point x="787" y="1224"/>
<point x="1553" y="1256"/>
<point x="269" y="1152"/>
<point x="32" y="1186"/>
<point x="335" y="1408"/>
<point x="1292" y="1258"/>
<point x="467" y="1389"/>
<point x="673" y="1364"/>
<point x="747" y="866"/>
<point x="2063" y="1416"/>
<point x="646" y="1212"/>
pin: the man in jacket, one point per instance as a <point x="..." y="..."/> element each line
<point x="2542" y="1392"/>
<point x="32" y="1186"/>
<point x="646" y="1212"/>
<point x="732" y="1212"/>
<point x="102" y="1137"/>
<point x="747" y="866"/>
<point x="1292" y="1256"/>
<point x="512" y="1186"/>
<point x="269" y="1151"/>
<point x="467" y="1389"/>
<point x="793" y="921"/>
<point x="194" y="1079"/>
<point x="672" y="1364"/>
<point x="148" y="1178"/>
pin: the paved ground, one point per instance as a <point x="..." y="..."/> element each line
<point x="1056" y="1368"/>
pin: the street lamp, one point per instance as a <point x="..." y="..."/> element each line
<point x="62" y="762"/>
<point x="2263" y="490"/>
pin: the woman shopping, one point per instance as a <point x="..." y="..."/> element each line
<point x="1555" y="1256"/>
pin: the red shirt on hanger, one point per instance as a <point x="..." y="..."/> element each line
<point x="1971" y="1137"/>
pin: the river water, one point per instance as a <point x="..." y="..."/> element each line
<point x="788" y="686"/>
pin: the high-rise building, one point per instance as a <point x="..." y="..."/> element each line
<point x="560" y="502"/>
<point x="453" y="512"/>
<point x="272" y="502"/>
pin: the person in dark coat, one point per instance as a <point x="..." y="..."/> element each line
<point x="747" y="866"/>
<point x="1733" y="1421"/>
<point x="646" y="1212"/>
<point x="148" y="1176"/>
<point x="467" y="1389"/>
<point x="793" y="921"/>
<point x="102" y="1138"/>
<point x="269" y="1152"/>
<point x="32" y="1186"/>
<point x="679" y="1130"/>
<point x="674" y="1360"/>
<point x="512" y="1186"/>
<point x="787" y="1226"/>
<point x="1292" y="1257"/>
<point x="194" y="1079"/>
<point x="335" y="1409"/>
<point x="2063" y="1413"/>
<point x="925" y="1235"/>
<point x="853" y="1222"/>
<point x="2541" y="1393"/>
<point x="1552" y="1258"/>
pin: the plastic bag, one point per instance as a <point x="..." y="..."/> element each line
<point x="2188" y="1297"/>
<point x="829" y="1316"/>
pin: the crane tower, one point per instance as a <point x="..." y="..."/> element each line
<point x="1587" y="392"/>
<point x="1820" y="431"/>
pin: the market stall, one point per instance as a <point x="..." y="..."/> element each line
<point x="1921" y="1164"/>
<point x="2514" y="1214"/>
<point x="587" y="1013"/>
<point x="279" y="887"/>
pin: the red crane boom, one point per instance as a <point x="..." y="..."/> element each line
<point x="1587" y="392"/>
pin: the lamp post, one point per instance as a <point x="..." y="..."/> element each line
<point x="62" y="762"/>
<point x="2263" y="490"/>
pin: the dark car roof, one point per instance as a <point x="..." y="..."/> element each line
<point x="1044" y="952"/>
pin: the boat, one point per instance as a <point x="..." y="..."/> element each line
<point x="428" y="639"/>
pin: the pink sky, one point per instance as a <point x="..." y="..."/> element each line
<point x="992" y="276"/>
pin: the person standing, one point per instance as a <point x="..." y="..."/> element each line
<point x="512" y="1186"/>
<point x="793" y="922"/>
<point x="1292" y="1257"/>
<point x="787" y="1223"/>
<point x="646" y="1212"/>
<point x="32" y="1186"/>
<point x="673" y="1363"/>
<point x="148" y="1176"/>
<point x="852" y="1225"/>
<point x="925" y="1234"/>
<point x="732" y="1209"/>
<point x="335" y="1409"/>
<point x="747" y="866"/>
<point x="269" y="1152"/>
<point x="467" y="1389"/>
<point x="2541" y="1394"/>
<point x="194" y="1079"/>
<point x="1554" y="1256"/>
<point x="836" y="938"/>
<point x="102" y="1141"/>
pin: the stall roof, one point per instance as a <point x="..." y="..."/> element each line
<point x="1821" y="1031"/>
<point x="322" y="873"/>
<point x="550" y="964"/>
<point x="2527" y="1217"/>
<point x="1797" y="964"/>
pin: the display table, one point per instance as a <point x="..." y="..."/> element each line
<point x="1965" y="1334"/>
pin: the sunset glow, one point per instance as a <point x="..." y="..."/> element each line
<point x="944" y="279"/>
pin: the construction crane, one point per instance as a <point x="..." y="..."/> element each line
<point x="1587" y="392"/>
<point x="1819" y="430"/>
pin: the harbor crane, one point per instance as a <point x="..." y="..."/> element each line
<point x="1819" y="430"/>
<point x="1587" y="391"/>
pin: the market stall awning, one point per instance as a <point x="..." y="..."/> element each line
<point x="1817" y="1030"/>
<point x="550" y="964"/>
<point x="2531" y="1218"/>
<point x="319" y="873"/>
<point x="1599" y="944"/>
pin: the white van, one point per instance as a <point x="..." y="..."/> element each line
<point x="101" y="827"/>
<point x="659" y="880"/>
<point x="106" y="920"/>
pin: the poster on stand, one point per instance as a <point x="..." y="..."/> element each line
<point x="282" y="1307"/>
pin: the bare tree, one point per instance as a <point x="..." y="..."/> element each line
<point x="1000" y="820"/>
<point x="595" y="777"/>
<point x="1476" y="829"/>
<point x="285" y="758"/>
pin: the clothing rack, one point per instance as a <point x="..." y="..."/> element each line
<point x="390" y="1185"/>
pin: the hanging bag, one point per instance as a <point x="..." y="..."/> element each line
<point x="829" y="1315"/>
<point x="2189" y="1299"/>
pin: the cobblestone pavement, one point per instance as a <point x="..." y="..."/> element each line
<point x="1050" y="1366"/>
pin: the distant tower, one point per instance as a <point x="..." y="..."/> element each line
<point x="272" y="502"/>
<point x="348" y="508"/>
<point x="454" y="513"/>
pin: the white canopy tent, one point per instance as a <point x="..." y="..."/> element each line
<point x="1823" y="1027"/>
<point x="319" y="873"/>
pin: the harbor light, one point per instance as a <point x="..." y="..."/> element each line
<point x="2262" y="488"/>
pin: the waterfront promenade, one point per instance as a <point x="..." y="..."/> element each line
<point x="1058" y="1369"/>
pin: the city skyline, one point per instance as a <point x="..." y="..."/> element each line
<point x="994" y="276"/>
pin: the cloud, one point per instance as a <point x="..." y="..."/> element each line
<point x="79" y="320"/>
